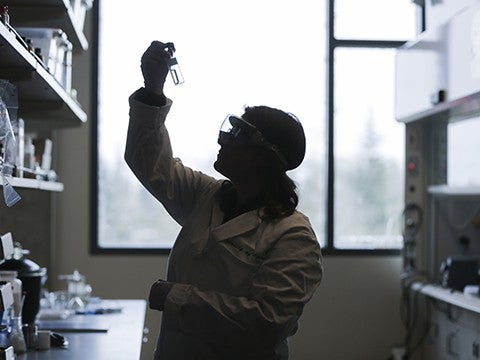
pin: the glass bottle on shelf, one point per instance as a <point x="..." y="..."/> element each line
<point x="17" y="338"/>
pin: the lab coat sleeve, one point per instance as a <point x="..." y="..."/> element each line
<point x="283" y="284"/>
<point x="148" y="153"/>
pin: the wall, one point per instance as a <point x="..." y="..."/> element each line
<point x="29" y="222"/>
<point x="353" y="316"/>
<point x="440" y="11"/>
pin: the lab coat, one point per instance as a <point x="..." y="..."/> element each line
<point x="240" y="286"/>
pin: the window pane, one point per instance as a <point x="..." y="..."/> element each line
<point x="375" y="19"/>
<point x="369" y="151"/>
<point x="231" y="55"/>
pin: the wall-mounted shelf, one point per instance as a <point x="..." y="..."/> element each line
<point x="35" y="184"/>
<point x="468" y="302"/>
<point x="445" y="190"/>
<point x="455" y="110"/>
<point x="48" y="13"/>
<point x="40" y="95"/>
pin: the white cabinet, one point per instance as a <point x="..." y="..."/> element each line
<point x="420" y="76"/>
<point x="437" y="84"/>
<point x="453" y="324"/>
<point x="439" y="73"/>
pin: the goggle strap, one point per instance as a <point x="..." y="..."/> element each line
<point x="256" y="135"/>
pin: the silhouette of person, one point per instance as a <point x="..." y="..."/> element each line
<point x="245" y="262"/>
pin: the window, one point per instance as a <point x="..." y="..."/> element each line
<point x="249" y="53"/>
<point x="366" y="148"/>
<point x="368" y="151"/>
<point x="374" y="19"/>
<point x="231" y="55"/>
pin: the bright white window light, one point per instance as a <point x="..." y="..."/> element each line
<point x="232" y="54"/>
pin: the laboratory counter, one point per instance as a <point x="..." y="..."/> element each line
<point x="116" y="335"/>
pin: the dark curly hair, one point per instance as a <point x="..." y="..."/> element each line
<point x="279" y="191"/>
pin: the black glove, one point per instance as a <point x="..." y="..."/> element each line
<point x="155" y="66"/>
<point x="158" y="294"/>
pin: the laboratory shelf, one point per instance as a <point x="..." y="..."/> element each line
<point x="48" y="13"/>
<point x="457" y="298"/>
<point x="35" y="184"/>
<point x="40" y="95"/>
<point x="454" y="110"/>
<point x="446" y="190"/>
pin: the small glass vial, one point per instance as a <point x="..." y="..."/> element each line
<point x="17" y="338"/>
<point x="175" y="71"/>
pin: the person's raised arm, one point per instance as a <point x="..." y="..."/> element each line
<point x="148" y="151"/>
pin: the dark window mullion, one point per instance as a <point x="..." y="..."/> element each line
<point x="94" y="154"/>
<point x="366" y="43"/>
<point x="329" y="226"/>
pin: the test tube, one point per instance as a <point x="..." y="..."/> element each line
<point x="175" y="71"/>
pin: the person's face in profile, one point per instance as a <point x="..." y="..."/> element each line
<point x="237" y="160"/>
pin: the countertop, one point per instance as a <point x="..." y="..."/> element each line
<point x="104" y="336"/>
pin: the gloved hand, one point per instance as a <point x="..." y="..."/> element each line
<point x="158" y="294"/>
<point x="155" y="67"/>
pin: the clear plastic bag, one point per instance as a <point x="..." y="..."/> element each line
<point x="9" y="194"/>
<point x="8" y="105"/>
<point x="8" y="94"/>
<point x="7" y="136"/>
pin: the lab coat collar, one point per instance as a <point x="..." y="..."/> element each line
<point x="238" y="225"/>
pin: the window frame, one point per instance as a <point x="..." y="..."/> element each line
<point x="332" y="44"/>
<point x="95" y="249"/>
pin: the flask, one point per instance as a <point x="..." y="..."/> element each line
<point x="175" y="71"/>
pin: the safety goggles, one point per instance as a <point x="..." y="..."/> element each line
<point x="236" y="130"/>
